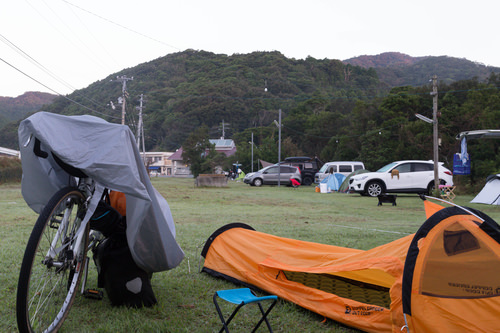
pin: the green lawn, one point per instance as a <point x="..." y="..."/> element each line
<point x="184" y="295"/>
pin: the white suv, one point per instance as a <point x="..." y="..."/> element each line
<point x="400" y="177"/>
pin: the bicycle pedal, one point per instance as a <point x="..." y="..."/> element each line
<point x="93" y="293"/>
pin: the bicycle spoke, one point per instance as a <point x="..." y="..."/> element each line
<point x="51" y="268"/>
<point x="44" y="301"/>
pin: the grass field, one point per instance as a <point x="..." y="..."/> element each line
<point x="184" y="294"/>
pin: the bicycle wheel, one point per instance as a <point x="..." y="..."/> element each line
<point x="52" y="267"/>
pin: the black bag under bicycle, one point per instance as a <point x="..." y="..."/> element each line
<point x="125" y="283"/>
<point x="107" y="220"/>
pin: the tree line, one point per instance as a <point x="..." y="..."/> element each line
<point x="381" y="130"/>
<point x="378" y="130"/>
<point x="331" y="110"/>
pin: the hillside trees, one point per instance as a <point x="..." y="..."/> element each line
<point x="470" y="105"/>
<point x="380" y="130"/>
<point x="332" y="110"/>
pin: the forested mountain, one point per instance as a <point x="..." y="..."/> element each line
<point x="384" y="60"/>
<point x="330" y="109"/>
<point x="187" y="89"/>
<point x="15" y="108"/>
<point x="398" y="69"/>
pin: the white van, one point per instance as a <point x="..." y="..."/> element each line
<point x="343" y="167"/>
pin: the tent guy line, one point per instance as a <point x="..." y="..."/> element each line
<point x="365" y="229"/>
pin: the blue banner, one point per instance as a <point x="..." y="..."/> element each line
<point x="460" y="168"/>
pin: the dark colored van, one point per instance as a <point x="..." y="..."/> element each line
<point x="308" y="167"/>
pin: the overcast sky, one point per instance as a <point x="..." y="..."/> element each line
<point x="64" y="45"/>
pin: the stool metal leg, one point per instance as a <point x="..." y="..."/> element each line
<point x="264" y="317"/>
<point x="225" y="323"/>
<point x="230" y="318"/>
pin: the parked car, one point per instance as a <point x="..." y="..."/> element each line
<point x="410" y="176"/>
<point x="269" y="175"/>
<point x="308" y="167"/>
<point x="342" y="167"/>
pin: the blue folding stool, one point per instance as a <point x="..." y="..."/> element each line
<point x="242" y="297"/>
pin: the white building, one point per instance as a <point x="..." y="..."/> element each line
<point x="159" y="162"/>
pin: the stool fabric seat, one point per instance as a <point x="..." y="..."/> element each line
<point x="241" y="297"/>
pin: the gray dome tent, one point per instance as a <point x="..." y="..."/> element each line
<point x="490" y="194"/>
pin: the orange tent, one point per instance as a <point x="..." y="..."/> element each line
<point x="452" y="264"/>
<point x="451" y="280"/>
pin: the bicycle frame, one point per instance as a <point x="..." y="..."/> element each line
<point x="87" y="187"/>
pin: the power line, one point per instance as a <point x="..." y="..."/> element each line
<point x="35" y="62"/>
<point x="91" y="34"/>
<point x="305" y="98"/>
<point x="69" y="40"/>
<point x="55" y="92"/>
<point x="43" y="68"/>
<point x="341" y="137"/>
<point x="121" y="26"/>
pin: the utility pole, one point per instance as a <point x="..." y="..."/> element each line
<point x="140" y="128"/>
<point x="123" y="79"/>
<point x="252" y="151"/>
<point x="279" y="148"/>
<point x="434" y="95"/>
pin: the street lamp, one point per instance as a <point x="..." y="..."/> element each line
<point x="424" y="118"/>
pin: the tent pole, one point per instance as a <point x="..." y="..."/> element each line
<point x="405" y="327"/>
<point x="453" y="204"/>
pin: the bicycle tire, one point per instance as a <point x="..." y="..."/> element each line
<point x="47" y="288"/>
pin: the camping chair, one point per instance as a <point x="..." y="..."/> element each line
<point x="447" y="192"/>
<point x="295" y="183"/>
<point x="242" y="297"/>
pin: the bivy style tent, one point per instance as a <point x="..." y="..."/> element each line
<point x="107" y="153"/>
<point x="444" y="278"/>
<point x="490" y="194"/>
<point x="344" y="187"/>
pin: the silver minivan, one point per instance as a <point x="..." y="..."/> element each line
<point x="343" y="167"/>
<point x="269" y="175"/>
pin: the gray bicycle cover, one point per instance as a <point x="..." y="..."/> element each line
<point x="108" y="153"/>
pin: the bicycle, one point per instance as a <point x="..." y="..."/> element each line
<point x="55" y="262"/>
<point x="55" y="259"/>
